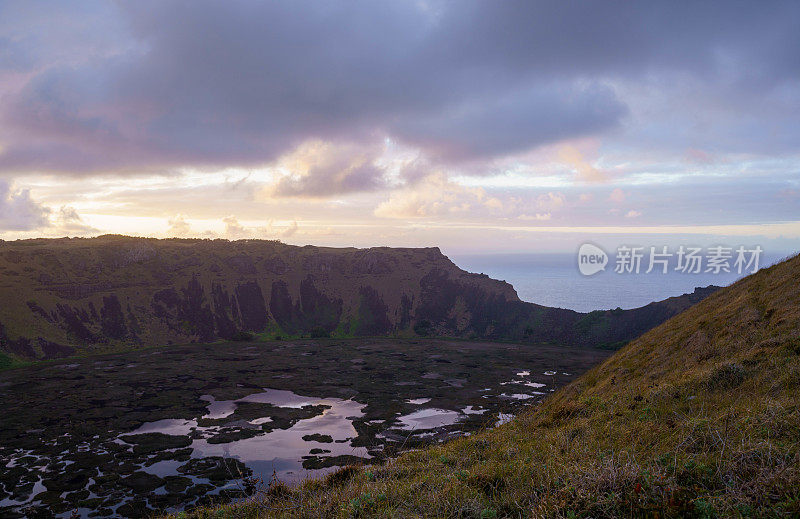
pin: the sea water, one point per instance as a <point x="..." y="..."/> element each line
<point x="554" y="280"/>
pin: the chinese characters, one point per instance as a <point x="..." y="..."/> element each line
<point x="687" y="260"/>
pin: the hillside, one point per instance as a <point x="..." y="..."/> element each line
<point x="66" y="296"/>
<point x="700" y="417"/>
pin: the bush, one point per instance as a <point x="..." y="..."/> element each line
<point x="242" y="336"/>
<point x="727" y="376"/>
<point x="341" y="476"/>
<point x="5" y="361"/>
<point x="423" y="327"/>
<point x="318" y="332"/>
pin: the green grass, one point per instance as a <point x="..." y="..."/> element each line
<point x="699" y="417"/>
<point x="6" y="361"/>
<point x="9" y="361"/>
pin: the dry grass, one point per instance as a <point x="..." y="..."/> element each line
<point x="700" y="417"/>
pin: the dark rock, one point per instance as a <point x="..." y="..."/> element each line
<point x="215" y="468"/>
<point x="373" y="317"/>
<point x="176" y="484"/>
<point x="112" y="320"/>
<point x="153" y="442"/>
<point x="316" y="437"/>
<point x="142" y="482"/>
<point x="252" y="306"/>
<point x="319" y="451"/>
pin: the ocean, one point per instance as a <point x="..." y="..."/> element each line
<point x="554" y="280"/>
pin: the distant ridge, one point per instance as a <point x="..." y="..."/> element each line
<point x="63" y="296"/>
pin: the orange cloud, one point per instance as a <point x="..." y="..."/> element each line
<point x="586" y="172"/>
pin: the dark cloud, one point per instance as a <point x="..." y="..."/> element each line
<point x="626" y="38"/>
<point x="12" y="56"/>
<point x="534" y="116"/>
<point x="160" y="85"/>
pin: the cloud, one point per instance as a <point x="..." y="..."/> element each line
<point x="697" y="156"/>
<point x="280" y="231"/>
<point x="789" y="193"/>
<point x="541" y="207"/>
<point x="18" y="212"/>
<point x="433" y="196"/>
<point x="178" y="226"/>
<point x="438" y="196"/>
<point x="585" y="171"/>
<point x="536" y="115"/>
<point x="289" y="231"/>
<point x="129" y="88"/>
<point x="233" y="229"/>
<point x="487" y="112"/>
<point x="633" y="214"/>
<point x="537" y="216"/>
<point x="67" y="220"/>
<point x="617" y="195"/>
<point x="318" y="169"/>
<point x="550" y="201"/>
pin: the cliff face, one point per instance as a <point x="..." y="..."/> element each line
<point x="60" y="296"/>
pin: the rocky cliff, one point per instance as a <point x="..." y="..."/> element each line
<point x="113" y="292"/>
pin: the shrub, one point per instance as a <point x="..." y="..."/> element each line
<point x="242" y="336"/>
<point x="423" y="327"/>
<point x="318" y="332"/>
<point x="5" y="361"/>
<point x="341" y="476"/>
<point x="727" y="376"/>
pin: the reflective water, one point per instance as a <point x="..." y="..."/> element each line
<point x="554" y="280"/>
<point x="521" y="396"/>
<point x="428" y="419"/>
<point x="280" y="451"/>
<point x="472" y="410"/>
<point x="503" y="418"/>
<point x="418" y="401"/>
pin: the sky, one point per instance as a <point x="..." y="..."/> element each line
<point x="513" y="126"/>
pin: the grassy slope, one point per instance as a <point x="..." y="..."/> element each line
<point x="698" y="417"/>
